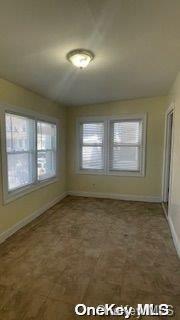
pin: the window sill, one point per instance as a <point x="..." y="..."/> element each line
<point x="12" y="196"/>
<point x="126" y="173"/>
<point x="112" y="173"/>
<point x="93" y="172"/>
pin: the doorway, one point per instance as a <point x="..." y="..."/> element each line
<point x="167" y="159"/>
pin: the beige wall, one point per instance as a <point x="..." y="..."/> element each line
<point x="174" y="203"/>
<point x="15" y="211"/>
<point x="148" y="186"/>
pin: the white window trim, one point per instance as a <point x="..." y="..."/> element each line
<point x="45" y="150"/>
<point x="9" y="196"/>
<point x="107" y="121"/>
<point x="78" y="151"/>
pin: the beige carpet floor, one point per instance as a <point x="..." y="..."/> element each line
<point x="91" y="251"/>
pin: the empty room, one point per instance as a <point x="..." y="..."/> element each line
<point x="89" y="159"/>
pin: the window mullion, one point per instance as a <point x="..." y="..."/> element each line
<point x="106" y="146"/>
<point x="110" y="144"/>
<point x="35" y="153"/>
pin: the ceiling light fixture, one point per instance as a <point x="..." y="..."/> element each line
<point x="80" y="58"/>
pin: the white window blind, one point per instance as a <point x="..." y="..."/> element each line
<point x="125" y="145"/>
<point x="46" y="150"/>
<point x="30" y="151"/>
<point x="92" y="145"/>
<point x="20" y="149"/>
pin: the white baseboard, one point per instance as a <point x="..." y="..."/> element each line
<point x="128" y="197"/>
<point x="6" y="234"/>
<point x="165" y="210"/>
<point x="9" y="232"/>
<point x="174" y="236"/>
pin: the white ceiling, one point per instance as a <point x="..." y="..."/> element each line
<point x="136" y="45"/>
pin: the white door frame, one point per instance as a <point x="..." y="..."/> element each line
<point x="167" y="148"/>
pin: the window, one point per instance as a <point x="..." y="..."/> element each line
<point x="20" y="148"/>
<point x="112" y="146"/>
<point x="46" y="150"/>
<point x="30" y="152"/>
<point x="125" y="145"/>
<point x="92" y="146"/>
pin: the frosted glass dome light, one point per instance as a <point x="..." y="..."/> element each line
<point x="80" y="58"/>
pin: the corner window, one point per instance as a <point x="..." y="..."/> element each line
<point x="29" y="153"/>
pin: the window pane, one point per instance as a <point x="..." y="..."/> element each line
<point x="127" y="132"/>
<point x="46" y="164"/>
<point x="19" y="133"/>
<point x="20" y="171"/>
<point x="125" y="158"/>
<point x="92" y="133"/>
<point x="46" y="135"/>
<point x="92" y="158"/>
